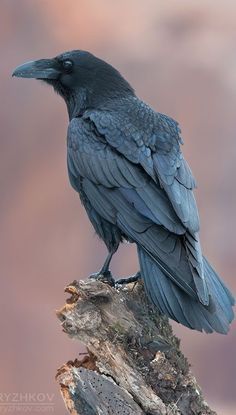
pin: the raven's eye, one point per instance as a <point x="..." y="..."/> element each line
<point x="67" y="65"/>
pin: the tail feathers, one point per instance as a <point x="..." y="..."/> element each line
<point x="195" y="259"/>
<point x="179" y="306"/>
<point x="222" y="294"/>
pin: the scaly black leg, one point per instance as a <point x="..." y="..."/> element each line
<point x="105" y="274"/>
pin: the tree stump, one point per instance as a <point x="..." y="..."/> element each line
<point x="134" y="363"/>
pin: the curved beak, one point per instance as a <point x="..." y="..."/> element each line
<point x="40" y="69"/>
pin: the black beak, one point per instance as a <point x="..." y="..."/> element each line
<point x="41" y="69"/>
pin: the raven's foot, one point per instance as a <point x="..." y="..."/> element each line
<point x="128" y="280"/>
<point x="104" y="276"/>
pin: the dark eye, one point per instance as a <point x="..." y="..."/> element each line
<point x="67" y="65"/>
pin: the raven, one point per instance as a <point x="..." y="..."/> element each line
<point x="125" y="161"/>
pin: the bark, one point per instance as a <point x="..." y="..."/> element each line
<point x="134" y="363"/>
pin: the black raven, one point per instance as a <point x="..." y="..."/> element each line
<point x="125" y="161"/>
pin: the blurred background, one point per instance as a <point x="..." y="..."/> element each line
<point x="181" y="58"/>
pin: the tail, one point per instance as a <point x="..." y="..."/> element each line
<point x="181" y="307"/>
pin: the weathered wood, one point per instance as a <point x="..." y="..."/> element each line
<point x="134" y="363"/>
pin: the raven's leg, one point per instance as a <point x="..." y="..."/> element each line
<point x="106" y="265"/>
<point x="105" y="274"/>
<point x="133" y="278"/>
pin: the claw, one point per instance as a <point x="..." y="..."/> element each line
<point x="105" y="277"/>
<point x="128" y="280"/>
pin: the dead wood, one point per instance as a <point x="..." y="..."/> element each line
<point x="134" y="363"/>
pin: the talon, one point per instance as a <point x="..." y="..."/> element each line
<point x="105" y="277"/>
<point x="128" y="280"/>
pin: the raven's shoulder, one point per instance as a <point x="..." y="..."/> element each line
<point x="138" y="132"/>
<point x="135" y="119"/>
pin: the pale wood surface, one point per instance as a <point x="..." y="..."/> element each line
<point x="134" y="364"/>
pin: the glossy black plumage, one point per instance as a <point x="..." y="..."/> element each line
<point x="125" y="161"/>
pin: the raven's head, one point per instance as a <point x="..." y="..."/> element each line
<point x="82" y="79"/>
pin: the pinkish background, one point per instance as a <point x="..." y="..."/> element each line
<point x="181" y="58"/>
